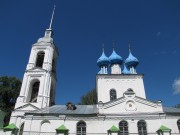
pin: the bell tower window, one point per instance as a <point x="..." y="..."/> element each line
<point x="40" y="59"/>
<point x="112" y="94"/>
<point x="35" y="90"/>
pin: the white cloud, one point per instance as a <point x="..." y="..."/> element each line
<point x="176" y="86"/>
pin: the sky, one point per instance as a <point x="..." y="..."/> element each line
<point x="81" y="26"/>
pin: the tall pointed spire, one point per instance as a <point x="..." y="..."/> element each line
<point x="49" y="32"/>
<point x="52" y="17"/>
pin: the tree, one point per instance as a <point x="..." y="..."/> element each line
<point x="9" y="91"/>
<point x="89" y="98"/>
<point x="177" y="106"/>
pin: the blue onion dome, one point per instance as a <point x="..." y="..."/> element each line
<point x="131" y="61"/>
<point x="114" y="58"/>
<point x="126" y="70"/>
<point x="103" y="60"/>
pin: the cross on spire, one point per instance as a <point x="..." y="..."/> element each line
<point x="129" y="45"/>
<point x="103" y="47"/>
<point x="113" y="45"/>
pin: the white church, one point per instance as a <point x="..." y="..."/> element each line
<point x="122" y="106"/>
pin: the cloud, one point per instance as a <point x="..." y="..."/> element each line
<point x="158" y="34"/>
<point x="176" y="86"/>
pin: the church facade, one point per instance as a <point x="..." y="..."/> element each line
<point x="122" y="106"/>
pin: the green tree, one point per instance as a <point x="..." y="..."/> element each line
<point x="89" y="98"/>
<point x="177" y="106"/>
<point x="9" y="91"/>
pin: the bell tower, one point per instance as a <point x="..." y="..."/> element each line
<point x="39" y="81"/>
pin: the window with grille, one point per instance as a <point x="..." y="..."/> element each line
<point x="178" y="124"/>
<point x="112" y="94"/>
<point x="142" y="129"/>
<point x="123" y="126"/>
<point x="81" y="128"/>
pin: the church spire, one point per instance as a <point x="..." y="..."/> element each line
<point x="52" y="17"/>
<point x="49" y="32"/>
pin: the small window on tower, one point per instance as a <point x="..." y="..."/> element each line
<point x="40" y="59"/>
<point x="112" y="94"/>
<point x="35" y="90"/>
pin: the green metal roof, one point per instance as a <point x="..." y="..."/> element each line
<point x="10" y="127"/>
<point x="113" y="129"/>
<point x="164" y="128"/>
<point x="61" y="129"/>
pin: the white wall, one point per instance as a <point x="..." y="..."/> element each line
<point x="101" y="125"/>
<point x="120" y="83"/>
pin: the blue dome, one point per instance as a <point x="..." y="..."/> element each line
<point x="126" y="70"/>
<point x="114" y="58"/>
<point x="131" y="61"/>
<point x="103" y="60"/>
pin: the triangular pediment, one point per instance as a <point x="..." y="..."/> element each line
<point x="131" y="105"/>
<point x="27" y="107"/>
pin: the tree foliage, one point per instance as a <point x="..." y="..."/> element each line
<point x="177" y="106"/>
<point x="9" y="91"/>
<point x="89" y="98"/>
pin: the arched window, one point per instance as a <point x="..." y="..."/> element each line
<point x="40" y="59"/>
<point x="81" y="128"/>
<point x="35" y="90"/>
<point x="178" y="124"/>
<point x="123" y="126"/>
<point x="45" y="127"/>
<point x="130" y="90"/>
<point x="142" y="129"/>
<point x="112" y="94"/>
<point x="21" y="129"/>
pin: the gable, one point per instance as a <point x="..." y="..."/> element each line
<point x="27" y="107"/>
<point x="130" y="105"/>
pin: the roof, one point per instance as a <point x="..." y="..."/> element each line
<point x="84" y="110"/>
<point x="131" y="60"/>
<point x="164" y="128"/>
<point x="113" y="129"/>
<point x="61" y="129"/>
<point x="171" y="110"/>
<point x="103" y="60"/>
<point x="10" y="127"/>
<point x="62" y="109"/>
<point x="115" y="58"/>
